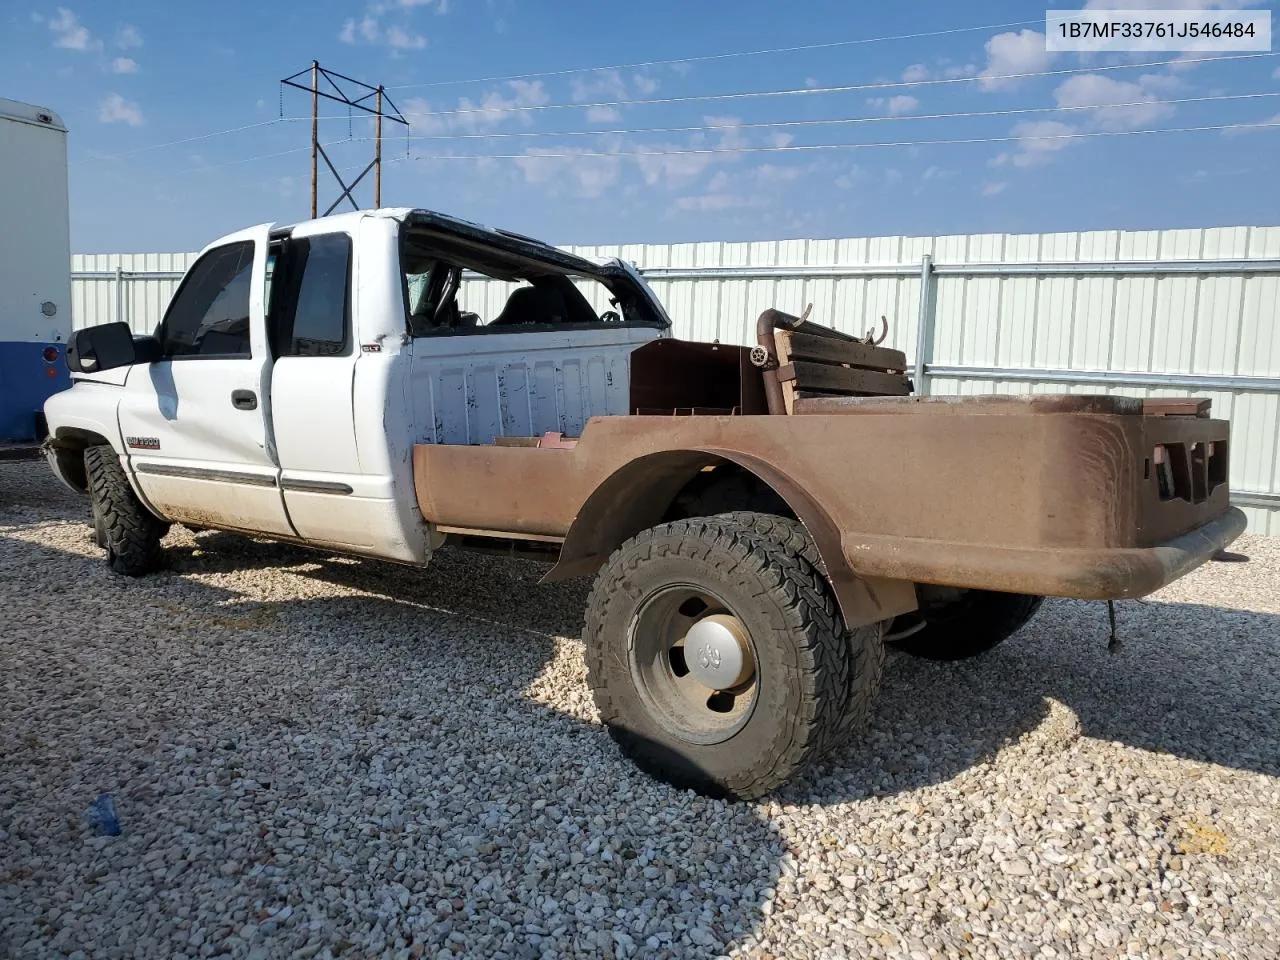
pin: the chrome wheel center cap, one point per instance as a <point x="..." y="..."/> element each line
<point x="718" y="653"/>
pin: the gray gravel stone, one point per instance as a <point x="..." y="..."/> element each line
<point x="315" y="756"/>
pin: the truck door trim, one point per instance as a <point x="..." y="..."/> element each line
<point x="316" y="486"/>
<point x="201" y="473"/>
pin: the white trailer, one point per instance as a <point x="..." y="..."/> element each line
<point x="35" y="268"/>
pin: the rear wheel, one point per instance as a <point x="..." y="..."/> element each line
<point x="958" y="624"/>
<point x="717" y="658"/>
<point x="129" y="531"/>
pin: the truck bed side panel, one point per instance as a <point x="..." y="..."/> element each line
<point x="1019" y="501"/>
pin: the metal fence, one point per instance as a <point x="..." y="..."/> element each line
<point x="1136" y="313"/>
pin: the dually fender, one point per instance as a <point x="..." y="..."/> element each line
<point x="637" y="496"/>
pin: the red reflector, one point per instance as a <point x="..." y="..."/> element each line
<point x="50" y="354"/>
<point x="50" y="372"/>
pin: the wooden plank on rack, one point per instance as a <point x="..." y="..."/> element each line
<point x="821" y="376"/>
<point x="807" y="346"/>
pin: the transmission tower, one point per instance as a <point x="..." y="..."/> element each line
<point x="344" y="90"/>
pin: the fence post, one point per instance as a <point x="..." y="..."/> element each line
<point x="924" y="326"/>
<point x="119" y="294"/>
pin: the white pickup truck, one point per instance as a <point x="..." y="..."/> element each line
<point x="759" y="520"/>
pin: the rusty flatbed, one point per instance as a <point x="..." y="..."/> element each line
<point x="1059" y="496"/>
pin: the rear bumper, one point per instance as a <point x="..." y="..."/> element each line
<point x="1083" y="574"/>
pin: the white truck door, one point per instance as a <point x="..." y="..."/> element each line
<point x="196" y="424"/>
<point x="314" y="344"/>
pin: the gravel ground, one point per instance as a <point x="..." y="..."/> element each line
<point x="315" y="756"/>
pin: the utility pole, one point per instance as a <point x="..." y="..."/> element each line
<point x="343" y="89"/>
<point x="315" y="130"/>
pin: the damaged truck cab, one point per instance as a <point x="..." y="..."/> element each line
<point x="759" y="521"/>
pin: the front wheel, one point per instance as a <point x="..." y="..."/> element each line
<point x="717" y="657"/>
<point x="129" y="531"/>
<point x="959" y="624"/>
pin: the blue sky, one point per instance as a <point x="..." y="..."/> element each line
<point x="129" y="78"/>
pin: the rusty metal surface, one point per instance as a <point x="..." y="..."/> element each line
<point x="1004" y="496"/>
<point x="769" y="321"/>
<point x="1176" y="407"/>
<point x="937" y="406"/>
<point x="668" y="375"/>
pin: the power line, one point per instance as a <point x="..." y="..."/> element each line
<point x="722" y="96"/>
<point x="801" y="48"/>
<point x="728" y="128"/>
<point x="770" y="124"/>
<point x="846" y="88"/>
<point x="789" y="148"/>
<point x="261" y="156"/>
<point x="202" y="136"/>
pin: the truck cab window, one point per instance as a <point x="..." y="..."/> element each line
<point x="316" y="319"/>
<point x="209" y="317"/>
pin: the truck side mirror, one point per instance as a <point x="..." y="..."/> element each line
<point x="107" y="346"/>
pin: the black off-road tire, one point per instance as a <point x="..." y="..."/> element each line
<point x="99" y="528"/>
<point x="969" y="626"/>
<point x="131" y="532"/>
<point x="802" y="702"/>
<point x="865" y="644"/>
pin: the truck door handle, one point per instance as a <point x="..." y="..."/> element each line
<point x="244" y="400"/>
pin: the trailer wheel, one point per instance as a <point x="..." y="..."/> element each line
<point x="716" y="657"/>
<point x="129" y="531"/>
<point x="957" y="625"/>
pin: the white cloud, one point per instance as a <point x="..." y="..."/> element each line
<point x="1089" y="89"/>
<point x="915" y="73"/>
<point x="70" y="34"/>
<point x="603" y="115"/>
<point x="470" y="116"/>
<point x="128" y="37"/>
<point x="124" y="65"/>
<point x="853" y="175"/>
<point x="116" y="109"/>
<point x="586" y="176"/>
<point x="967" y="70"/>
<point x="672" y="169"/>
<point x="356" y="31"/>
<point x="1014" y="53"/>
<point x="598" y="85"/>
<point x="1041" y="139"/>
<point x="1276" y="74"/>
<point x="991" y="188"/>
<point x="892" y="175"/>
<point x="937" y="173"/>
<point x="711" y="202"/>
<point x="645" y="84"/>
<point x="775" y="173"/>
<point x="895" y="106"/>
<point x="399" y="39"/>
